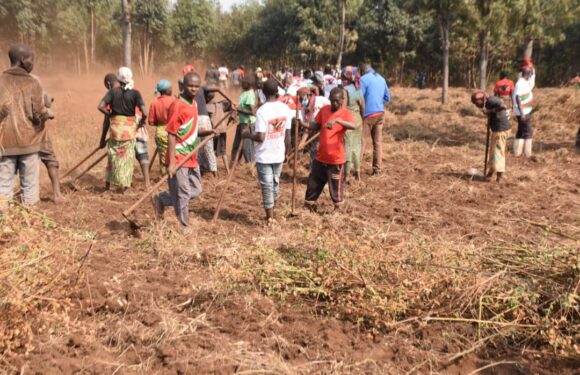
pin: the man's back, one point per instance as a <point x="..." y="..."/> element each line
<point x="21" y="99"/>
<point x="375" y="91"/>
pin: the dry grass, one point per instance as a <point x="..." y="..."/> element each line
<point x="426" y="269"/>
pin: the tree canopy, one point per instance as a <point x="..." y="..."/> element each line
<point x="400" y="37"/>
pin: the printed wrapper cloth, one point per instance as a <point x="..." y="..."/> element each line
<point x="121" y="151"/>
<point x="123" y="128"/>
<point x="162" y="142"/>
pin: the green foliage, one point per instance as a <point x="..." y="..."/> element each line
<point x="400" y="37"/>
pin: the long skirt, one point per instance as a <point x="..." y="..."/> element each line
<point x="121" y="151"/>
<point x="353" y="145"/>
<point x="496" y="161"/>
<point x="162" y="142"/>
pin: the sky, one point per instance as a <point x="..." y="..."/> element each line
<point x="226" y="4"/>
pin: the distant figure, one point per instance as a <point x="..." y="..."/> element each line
<point x="504" y="89"/>
<point x="236" y="78"/>
<point x="421" y="79"/>
<point x="575" y="82"/>
<point x="159" y="112"/>
<point x="223" y="76"/>
<point x="22" y="118"/>
<point x="376" y="94"/>
<point x="495" y="109"/>
<point x="212" y="74"/>
<point x="355" y="103"/>
<point x="330" y="81"/>
<point x="522" y="103"/>
<point x="247" y="105"/>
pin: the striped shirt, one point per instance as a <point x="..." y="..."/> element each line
<point x="183" y="125"/>
<point x="523" y="90"/>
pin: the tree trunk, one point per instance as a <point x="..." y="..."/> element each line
<point x="341" y="33"/>
<point x="528" y="46"/>
<point x="483" y="59"/>
<point x="444" y="31"/>
<point x="93" y="35"/>
<point x="86" y="53"/>
<point x="126" y="28"/>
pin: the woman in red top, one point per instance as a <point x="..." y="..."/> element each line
<point x="333" y="121"/>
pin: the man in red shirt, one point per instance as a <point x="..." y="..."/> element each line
<point x="185" y="183"/>
<point x="333" y="121"/>
<point x="504" y="89"/>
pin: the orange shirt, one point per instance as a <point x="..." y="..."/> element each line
<point x="331" y="148"/>
<point x="159" y="110"/>
<point x="504" y="87"/>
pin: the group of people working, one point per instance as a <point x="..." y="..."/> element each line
<point x="329" y="110"/>
<point x="507" y="99"/>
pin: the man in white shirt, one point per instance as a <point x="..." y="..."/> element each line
<point x="522" y="103"/>
<point x="271" y="138"/>
<point x="223" y="76"/>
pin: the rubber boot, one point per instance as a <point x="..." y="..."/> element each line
<point x="518" y="146"/>
<point x="528" y="147"/>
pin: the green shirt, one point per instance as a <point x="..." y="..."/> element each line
<point x="247" y="99"/>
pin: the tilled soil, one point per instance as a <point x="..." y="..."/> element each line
<point x="159" y="303"/>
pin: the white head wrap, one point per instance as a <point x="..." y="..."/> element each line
<point x="125" y="76"/>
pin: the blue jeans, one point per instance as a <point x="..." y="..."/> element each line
<point x="27" y="166"/>
<point x="269" y="177"/>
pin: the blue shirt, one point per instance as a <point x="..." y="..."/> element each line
<point x="376" y="92"/>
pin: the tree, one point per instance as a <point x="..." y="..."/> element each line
<point x="150" y="18"/>
<point x="342" y="5"/>
<point x="126" y="27"/>
<point x="192" y="25"/>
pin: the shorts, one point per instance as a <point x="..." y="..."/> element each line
<point x="141" y="150"/>
<point x="47" y="155"/>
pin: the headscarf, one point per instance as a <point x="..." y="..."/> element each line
<point x="349" y="74"/>
<point x="125" y="76"/>
<point x="162" y="85"/>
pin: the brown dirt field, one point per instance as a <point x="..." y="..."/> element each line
<point x="427" y="269"/>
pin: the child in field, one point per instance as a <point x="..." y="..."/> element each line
<point x="523" y="99"/>
<point x="333" y="121"/>
<point x="247" y="110"/>
<point x="159" y="116"/>
<point x="271" y="137"/>
<point x="499" y="123"/>
<point x="185" y="183"/>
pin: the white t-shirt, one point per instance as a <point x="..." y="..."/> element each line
<point x="223" y="73"/>
<point x="272" y="118"/>
<point x="523" y="89"/>
<point x="329" y="83"/>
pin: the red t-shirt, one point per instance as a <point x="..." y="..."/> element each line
<point x="504" y="87"/>
<point x="331" y="148"/>
<point x="159" y="110"/>
<point x="183" y="125"/>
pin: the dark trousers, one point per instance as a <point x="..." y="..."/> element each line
<point x="320" y="175"/>
<point x="525" y="130"/>
<point x="246" y="143"/>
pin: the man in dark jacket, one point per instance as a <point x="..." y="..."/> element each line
<point x="22" y="133"/>
<point x="499" y="123"/>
